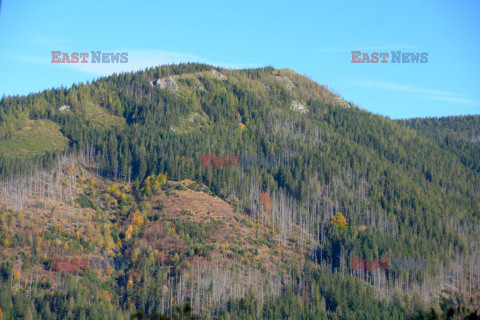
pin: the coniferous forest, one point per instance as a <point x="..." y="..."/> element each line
<point x="113" y="170"/>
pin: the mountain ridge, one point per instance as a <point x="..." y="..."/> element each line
<point x="404" y="188"/>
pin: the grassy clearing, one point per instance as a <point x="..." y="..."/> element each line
<point x="99" y="116"/>
<point x="38" y="137"/>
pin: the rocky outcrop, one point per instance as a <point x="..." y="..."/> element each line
<point x="64" y="108"/>
<point x="288" y="82"/>
<point x="193" y="117"/>
<point x="342" y="102"/>
<point x="168" y="82"/>
<point x="218" y="75"/>
<point x="298" y="106"/>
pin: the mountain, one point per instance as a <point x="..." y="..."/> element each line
<point x="249" y="193"/>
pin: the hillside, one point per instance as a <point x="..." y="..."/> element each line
<point x="459" y="135"/>
<point x="238" y="241"/>
<point x="37" y="138"/>
<point x="72" y="213"/>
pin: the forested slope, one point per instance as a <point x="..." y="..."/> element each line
<point x="407" y="189"/>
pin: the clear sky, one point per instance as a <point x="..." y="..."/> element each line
<point x="311" y="37"/>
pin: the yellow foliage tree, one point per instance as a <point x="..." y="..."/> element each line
<point x="137" y="219"/>
<point x="16" y="275"/>
<point x="339" y="221"/>
<point x="162" y="178"/>
<point x="128" y="234"/>
<point x="152" y="184"/>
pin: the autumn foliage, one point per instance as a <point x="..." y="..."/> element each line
<point x="339" y="221"/>
<point x="152" y="184"/>
<point x="266" y="202"/>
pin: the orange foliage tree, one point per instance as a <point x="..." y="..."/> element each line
<point x="266" y="201"/>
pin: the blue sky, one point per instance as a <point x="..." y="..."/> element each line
<point x="311" y="37"/>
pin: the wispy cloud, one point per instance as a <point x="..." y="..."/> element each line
<point x="137" y="60"/>
<point x="46" y="41"/>
<point x="454" y="100"/>
<point x="366" y="48"/>
<point x="28" y="58"/>
<point x="432" y="94"/>
<point x="398" y="87"/>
